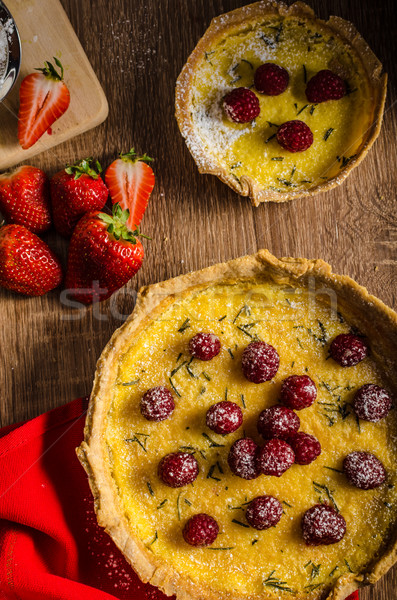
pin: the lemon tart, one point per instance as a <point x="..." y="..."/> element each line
<point x="241" y="422"/>
<point x="265" y="68"/>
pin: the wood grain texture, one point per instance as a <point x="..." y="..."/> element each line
<point x="137" y="47"/>
<point x="45" y="32"/>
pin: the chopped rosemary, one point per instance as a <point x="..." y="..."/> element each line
<point x="312" y="108"/>
<point x="312" y="586"/>
<point x="286" y="182"/>
<point x="207" y="377"/>
<point x="277" y="158"/>
<point x="125" y="383"/>
<point x="292" y="364"/>
<point x="224" y="316"/>
<point x="272" y="124"/>
<point x="243" y="401"/>
<point x="328" y="133"/>
<point x="162" y="503"/>
<point x="270" y="138"/>
<point x="179" y="356"/>
<point x="333" y="571"/>
<point x="228" y="548"/>
<point x="189" y="370"/>
<point x="235" y="79"/>
<point x="299" y="342"/>
<point x="304" y="74"/>
<point x="315" y="571"/>
<point x="279" y="31"/>
<point x="276" y="583"/>
<point x="293" y="171"/>
<point x="174" y="388"/>
<point x="212" y="443"/>
<point x="268" y="41"/>
<point x="243" y="329"/>
<point x="139" y="442"/>
<point x="151" y="492"/>
<point x="332" y="469"/>
<point x="254" y="541"/>
<point x="187" y="501"/>
<point x="230" y="352"/>
<point x="210" y="474"/>
<point x="174" y="371"/>
<point x="388" y="505"/>
<point x="245" y="309"/>
<point x="302" y="109"/>
<point x="240" y="523"/>
<point x="156" y="537"/>
<point x="286" y="504"/>
<point x="320" y="489"/>
<point x="185" y="325"/>
<point x="248" y="62"/>
<point x="348" y="566"/>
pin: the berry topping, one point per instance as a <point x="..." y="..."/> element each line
<point x="264" y="512"/>
<point x="306" y="447"/>
<point x="243" y="458"/>
<point x="278" y="422"/>
<point x="204" y="346"/>
<point x="372" y="403"/>
<point x="271" y="79"/>
<point x="325" y="85"/>
<point x="157" y="404"/>
<point x="348" y="349"/>
<point x="295" y="136"/>
<point x="241" y="105"/>
<point x="298" y="391"/>
<point x="321" y="524"/>
<point x="276" y="457"/>
<point x="364" y="470"/>
<point x="260" y="362"/>
<point x="178" y="469"/>
<point x="200" y="530"/>
<point x="224" y="417"/>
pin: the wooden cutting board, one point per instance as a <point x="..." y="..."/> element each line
<point x="46" y="32"/>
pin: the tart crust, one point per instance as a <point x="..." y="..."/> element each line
<point x="225" y="24"/>
<point x="375" y="319"/>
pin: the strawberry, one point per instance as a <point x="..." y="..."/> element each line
<point x="130" y="181"/>
<point x="27" y="265"/>
<point x="103" y="255"/>
<point x="75" y="191"/>
<point x="25" y="198"/>
<point x="43" y="98"/>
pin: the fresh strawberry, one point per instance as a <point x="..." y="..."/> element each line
<point x="27" y="265"/>
<point x="76" y="190"/>
<point x="25" y="198"/>
<point x="130" y="181"/>
<point x="43" y="98"/>
<point x="103" y="255"/>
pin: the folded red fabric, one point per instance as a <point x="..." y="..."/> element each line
<point x="51" y="547"/>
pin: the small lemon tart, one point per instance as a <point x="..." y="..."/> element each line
<point x="250" y="156"/>
<point x="301" y="314"/>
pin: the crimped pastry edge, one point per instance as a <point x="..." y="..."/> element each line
<point x="219" y="27"/>
<point x="380" y="320"/>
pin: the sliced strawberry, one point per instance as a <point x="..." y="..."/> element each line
<point x="43" y="98"/>
<point x="130" y="181"/>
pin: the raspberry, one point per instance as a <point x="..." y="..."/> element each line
<point x="224" y="417"/>
<point x="278" y="422"/>
<point x="200" y="530"/>
<point x="364" y="470"/>
<point x="178" y="469"/>
<point x="157" y="404"/>
<point x="348" y="349"/>
<point x="276" y="457"/>
<point x="271" y="79"/>
<point x="325" y="85"/>
<point x="243" y="457"/>
<point x="241" y="105"/>
<point x="264" y="512"/>
<point x="298" y="391"/>
<point x="372" y="403"/>
<point x="260" y="362"/>
<point x="204" y="346"/>
<point x="294" y="136"/>
<point x="306" y="447"/>
<point x="321" y="524"/>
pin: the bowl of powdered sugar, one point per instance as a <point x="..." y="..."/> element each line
<point x="10" y="51"/>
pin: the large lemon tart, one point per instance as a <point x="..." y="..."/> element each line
<point x="250" y="156"/>
<point x="199" y="536"/>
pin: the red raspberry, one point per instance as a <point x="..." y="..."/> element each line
<point x="276" y="457"/>
<point x="306" y="447"/>
<point x="348" y="349"/>
<point x="178" y="469"/>
<point x="298" y="391"/>
<point x="157" y="404"/>
<point x="200" y="530"/>
<point x="264" y="512"/>
<point x="295" y="136"/>
<point x="321" y="524"/>
<point x="325" y="85"/>
<point x="278" y="422"/>
<point x="243" y="458"/>
<point x="241" y="105"/>
<point x="364" y="470"/>
<point x="204" y="346"/>
<point x="372" y="403"/>
<point x="224" y="417"/>
<point x="260" y="362"/>
<point x="271" y="79"/>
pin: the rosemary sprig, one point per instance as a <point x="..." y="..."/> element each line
<point x="321" y="489"/>
<point x="185" y="325"/>
<point x="142" y="444"/>
<point x="175" y="371"/>
<point x="231" y="353"/>
<point x="276" y="583"/>
<point x="162" y="503"/>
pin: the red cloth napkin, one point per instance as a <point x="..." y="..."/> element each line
<point x="51" y="547"/>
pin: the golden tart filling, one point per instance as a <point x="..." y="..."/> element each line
<point x="249" y="155"/>
<point x="307" y="330"/>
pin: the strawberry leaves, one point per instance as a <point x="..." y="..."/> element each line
<point x="117" y="225"/>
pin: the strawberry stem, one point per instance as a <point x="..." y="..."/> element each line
<point x="117" y="225"/>
<point x="83" y="167"/>
<point x="50" y="71"/>
<point x="133" y="157"/>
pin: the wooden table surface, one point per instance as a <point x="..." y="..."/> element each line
<point x="137" y="48"/>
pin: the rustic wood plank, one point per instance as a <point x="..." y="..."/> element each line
<point x="137" y="49"/>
